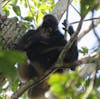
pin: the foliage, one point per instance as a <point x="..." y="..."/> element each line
<point x="87" y="5"/>
<point x="34" y="9"/>
<point x="71" y="85"/>
<point x="7" y="61"/>
<point x="83" y="50"/>
<point x="65" y="85"/>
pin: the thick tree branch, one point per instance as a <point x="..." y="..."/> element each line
<point x="10" y="32"/>
<point x="60" y="8"/>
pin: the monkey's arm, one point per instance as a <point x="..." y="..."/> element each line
<point x="72" y="54"/>
<point x="28" y="40"/>
<point x="25" y="41"/>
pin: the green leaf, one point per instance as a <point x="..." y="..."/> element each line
<point x="14" y="85"/>
<point x="83" y="50"/>
<point x="75" y="1"/>
<point x="17" y="10"/>
<point x="22" y="1"/>
<point x="36" y="2"/>
<point x="58" y="89"/>
<point x="28" y="18"/>
<point x="86" y="6"/>
<point x="57" y="78"/>
<point x="14" y="2"/>
<point x="7" y="61"/>
<point x="6" y="10"/>
<point x="25" y="25"/>
<point x="1" y="97"/>
<point x="26" y="3"/>
<point x="97" y="83"/>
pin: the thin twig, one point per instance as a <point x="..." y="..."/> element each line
<point x="94" y="31"/>
<point x="90" y="19"/>
<point x="6" y="3"/>
<point x="75" y="9"/>
<point x="89" y="29"/>
<point x="30" y="7"/>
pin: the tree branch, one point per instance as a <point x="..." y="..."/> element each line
<point x="82" y="34"/>
<point x="10" y="32"/>
<point x="36" y="82"/>
<point x="69" y="44"/>
<point x="60" y="8"/>
<point x="91" y="85"/>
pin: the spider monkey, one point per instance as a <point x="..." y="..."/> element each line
<point x="43" y="46"/>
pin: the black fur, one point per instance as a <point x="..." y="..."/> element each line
<point x="44" y="44"/>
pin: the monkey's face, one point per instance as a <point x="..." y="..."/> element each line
<point x="50" y="23"/>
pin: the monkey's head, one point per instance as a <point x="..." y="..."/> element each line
<point x="50" y="22"/>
